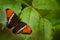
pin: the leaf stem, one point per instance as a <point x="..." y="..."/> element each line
<point x="26" y="4"/>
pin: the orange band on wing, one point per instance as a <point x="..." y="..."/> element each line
<point x="9" y="12"/>
<point x="27" y="30"/>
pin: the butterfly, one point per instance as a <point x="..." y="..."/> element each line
<point x="15" y="23"/>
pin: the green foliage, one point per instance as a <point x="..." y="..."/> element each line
<point x="56" y="35"/>
<point x="2" y="19"/>
<point x="54" y="17"/>
<point x="43" y="16"/>
<point x="45" y="29"/>
<point x="6" y="35"/>
<point x="45" y="4"/>
<point x="12" y="4"/>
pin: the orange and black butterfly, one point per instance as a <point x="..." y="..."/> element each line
<point x="16" y="24"/>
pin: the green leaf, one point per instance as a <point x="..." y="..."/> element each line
<point x="56" y="34"/>
<point x="45" y="29"/>
<point x="58" y="2"/>
<point x="45" y="4"/>
<point x="3" y="19"/>
<point x="31" y="17"/>
<point x="54" y="17"/>
<point x="12" y="4"/>
<point x="29" y="2"/>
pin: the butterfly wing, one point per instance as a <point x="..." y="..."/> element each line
<point x="16" y="24"/>
<point x="27" y="30"/>
<point x="9" y="13"/>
